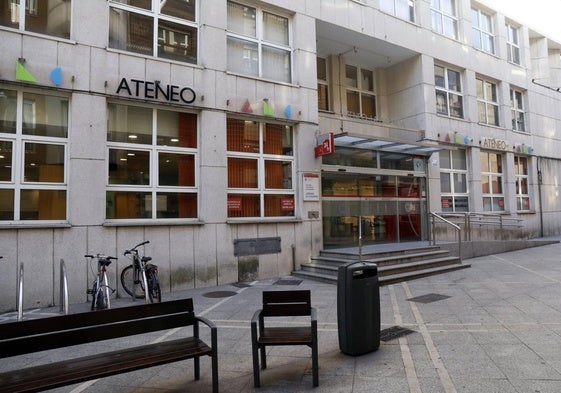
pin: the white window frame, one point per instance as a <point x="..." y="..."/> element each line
<point x="453" y="174"/>
<point x="449" y="92"/>
<point x="261" y="42"/>
<point x="484" y="36"/>
<point x="31" y="7"/>
<point x="493" y="195"/>
<point x="325" y="83"/>
<point x="521" y="197"/>
<point x="18" y="140"/>
<point x="488" y="102"/>
<point x="439" y="15"/>
<point x="361" y="91"/>
<point x="155" y="14"/>
<point x="391" y="7"/>
<point x="517" y="109"/>
<point x="513" y="44"/>
<point x="154" y="149"/>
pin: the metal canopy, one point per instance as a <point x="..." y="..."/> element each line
<point x="375" y="143"/>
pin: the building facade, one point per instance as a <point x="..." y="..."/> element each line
<point x="242" y="137"/>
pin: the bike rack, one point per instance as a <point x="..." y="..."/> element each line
<point x="20" y="292"/>
<point x="63" y="288"/>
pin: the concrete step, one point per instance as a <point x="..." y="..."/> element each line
<point x="396" y="278"/>
<point x="382" y="260"/>
<point x="398" y="268"/>
<point x="378" y="254"/>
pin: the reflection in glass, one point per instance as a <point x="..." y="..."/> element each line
<point x="176" y="170"/>
<point x="43" y="205"/>
<point x="131" y="31"/>
<point x="45" y="115"/>
<point x="130" y="124"/>
<point x="177" y="129"/>
<point x="176" y="205"/>
<point x="44" y="163"/>
<point x="243" y="56"/>
<point x="6" y="149"/>
<point x="177" y="42"/>
<point x="122" y="204"/>
<point x="129" y="167"/>
<point x="6" y="205"/>
<point x="48" y="17"/>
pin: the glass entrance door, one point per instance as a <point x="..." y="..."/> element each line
<point x="387" y="208"/>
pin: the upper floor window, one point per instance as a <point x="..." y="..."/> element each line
<point x="512" y="44"/>
<point x="444" y="17"/>
<point x="259" y="43"/>
<point x="40" y="16"/>
<point x="482" y="29"/>
<point x="517" y="110"/>
<point x="521" y="176"/>
<point x="404" y="9"/>
<point x="33" y="156"/>
<point x="487" y="102"/>
<point x="453" y="181"/>
<point x="323" y="84"/>
<point x="152" y="161"/>
<point x="449" y="99"/>
<point x="361" y="98"/>
<point x="165" y="29"/>
<point x="260" y="169"/>
<point x="492" y="181"/>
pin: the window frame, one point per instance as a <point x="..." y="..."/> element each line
<point x="519" y="179"/>
<point x="517" y="110"/>
<point x="261" y="190"/>
<point x="21" y="144"/>
<point x="260" y="42"/>
<point x="443" y="16"/>
<point x="362" y="92"/>
<point x="493" y="196"/>
<point x="513" y="44"/>
<point x="155" y="13"/>
<point x="31" y="7"/>
<point x="487" y="102"/>
<point x="453" y="173"/>
<point x="325" y="83"/>
<point x="385" y="6"/>
<point x="449" y="92"/>
<point x="154" y="149"/>
<point x="479" y="30"/>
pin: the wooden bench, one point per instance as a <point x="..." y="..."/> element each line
<point x="284" y="304"/>
<point x="28" y="336"/>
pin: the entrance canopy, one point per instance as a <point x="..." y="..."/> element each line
<point x="374" y="143"/>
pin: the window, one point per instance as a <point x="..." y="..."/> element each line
<point x="361" y="99"/>
<point x="492" y="181"/>
<point x="487" y="102"/>
<point x="260" y="169"/>
<point x="444" y="18"/>
<point x="323" y="84"/>
<point x="517" y="110"/>
<point x="43" y="17"/>
<point x="152" y="161"/>
<point x="521" y="176"/>
<point x="512" y="44"/>
<point x="449" y="99"/>
<point x="258" y="43"/>
<point x="33" y="156"/>
<point x="165" y="29"/>
<point x="482" y="30"/>
<point x="453" y="181"/>
<point x="404" y="9"/>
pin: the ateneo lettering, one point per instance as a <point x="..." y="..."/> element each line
<point x="496" y="144"/>
<point x="156" y="91"/>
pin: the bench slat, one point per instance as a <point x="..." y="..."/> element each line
<point x="101" y="365"/>
<point x="286" y="336"/>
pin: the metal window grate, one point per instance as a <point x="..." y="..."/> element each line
<point x="218" y="294"/>
<point x="394" y="332"/>
<point x="288" y="282"/>
<point x="428" y="298"/>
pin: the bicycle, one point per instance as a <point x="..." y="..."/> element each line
<point x="100" y="291"/>
<point x="140" y="275"/>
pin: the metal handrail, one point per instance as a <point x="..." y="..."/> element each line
<point x="458" y="229"/>
<point x="20" y="292"/>
<point x="470" y="220"/>
<point x="63" y="288"/>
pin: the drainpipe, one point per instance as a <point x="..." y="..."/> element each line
<point x="540" y="182"/>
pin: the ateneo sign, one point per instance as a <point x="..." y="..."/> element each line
<point x="492" y="143"/>
<point x="156" y="91"/>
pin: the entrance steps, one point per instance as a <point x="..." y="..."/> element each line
<point x="394" y="266"/>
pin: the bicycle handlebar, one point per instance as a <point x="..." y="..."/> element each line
<point x="135" y="247"/>
<point x="100" y="256"/>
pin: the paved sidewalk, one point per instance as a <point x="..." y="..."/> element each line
<point x="495" y="327"/>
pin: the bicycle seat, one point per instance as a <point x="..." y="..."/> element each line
<point x="104" y="261"/>
<point x="146" y="259"/>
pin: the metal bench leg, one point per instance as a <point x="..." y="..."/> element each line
<point x="315" y="367"/>
<point x="263" y="357"/>
<point x="256" y="381"/>
<point x="197" y="368"/>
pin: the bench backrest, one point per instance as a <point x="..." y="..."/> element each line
<point x="35" y="335"/>
<point x="286" y="303"/>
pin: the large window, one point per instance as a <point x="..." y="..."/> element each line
<point x="259" y="43"/>
<point x="33" y="150"/>
<point x="482" y="30"/>
<point x="449" y="99"/>
<point x="361" y="98"/>
<point x="492" y="181"/>
<point x="444" y="17"/>
<point x="512" y="44"/>
<point x="521" y="176"/>
<point x="39" y="16"/>
<point x="152" y="161"/>
<point x="517" y="110"/>
<point x="260" y="169"/>
<point x="453" y="181"/>
<point x="404" y="9"/>
<point x="166" y="29"/>
<point x="487" y="102"/>
<point x="323" y="84"/>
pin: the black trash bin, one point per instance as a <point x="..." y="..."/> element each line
<point x="358" y="308"/>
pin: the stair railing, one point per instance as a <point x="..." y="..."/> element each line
<point x="457" y="228"/>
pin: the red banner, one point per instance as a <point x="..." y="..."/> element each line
<point x="325" y="145"/>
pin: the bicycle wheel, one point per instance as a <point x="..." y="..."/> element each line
<point x="154" y="293"/>
<point x="128" y="280"/>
